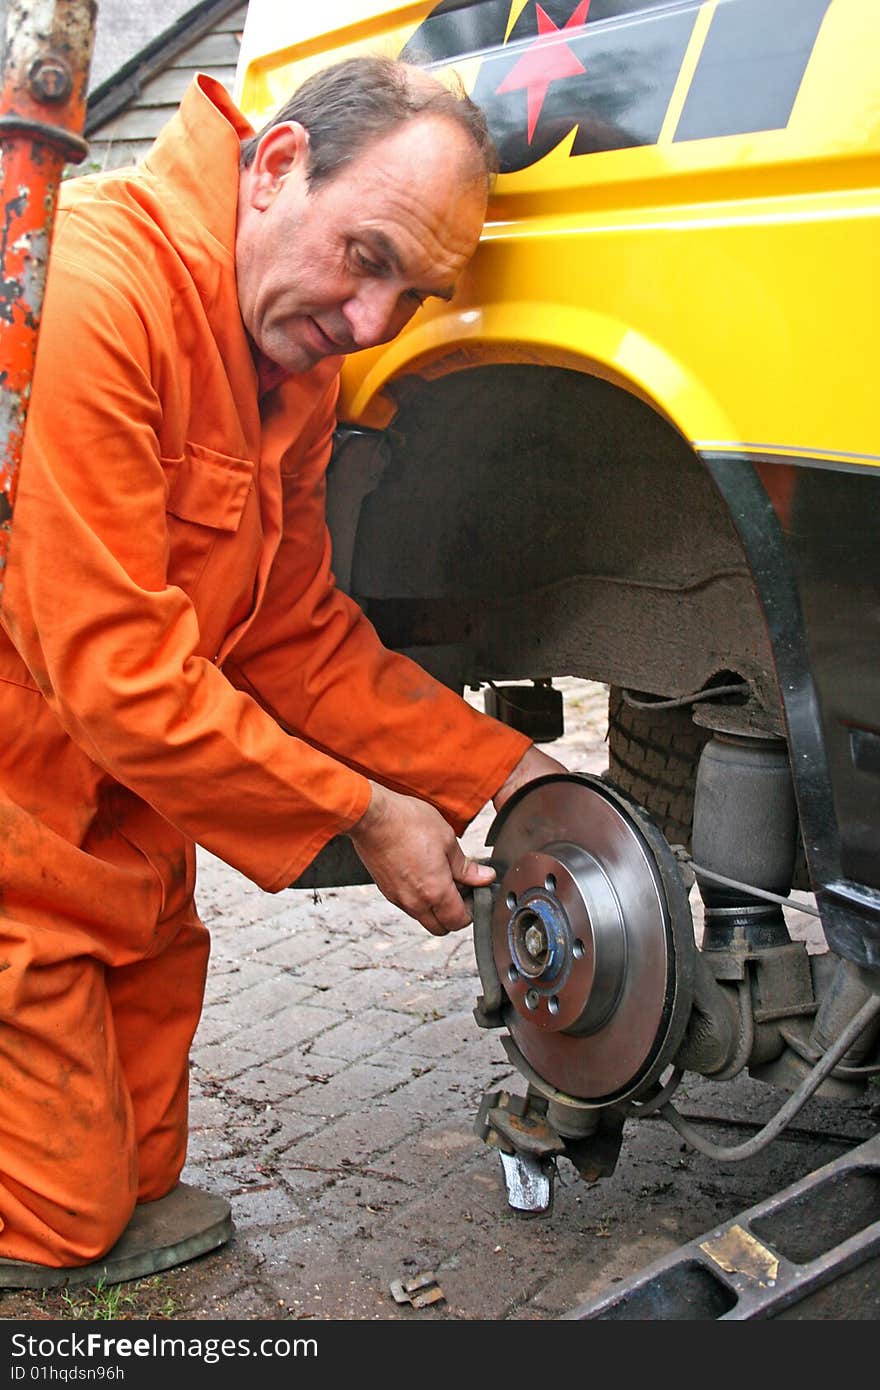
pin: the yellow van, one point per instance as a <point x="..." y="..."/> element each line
<point x="642" y="446"/>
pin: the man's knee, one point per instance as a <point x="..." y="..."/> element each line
<point x="76" y="1219"/>
<point x="88" y="1237"/>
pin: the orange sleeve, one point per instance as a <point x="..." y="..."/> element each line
<point x="316" y="662"/>
<point x="112" y="645"/>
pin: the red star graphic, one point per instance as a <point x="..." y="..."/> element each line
<point x="545" y="62"/>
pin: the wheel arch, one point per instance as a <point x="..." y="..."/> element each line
<point x="544" y="516"/>
<point x="541" y="333"/>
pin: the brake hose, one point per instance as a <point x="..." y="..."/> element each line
<point x="796" y="1100"/>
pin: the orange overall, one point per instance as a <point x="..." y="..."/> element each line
<point x="176" y="667"/>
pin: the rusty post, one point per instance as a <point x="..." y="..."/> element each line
<point x="42" y="113"/>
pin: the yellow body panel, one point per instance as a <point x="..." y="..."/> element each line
<point x="732" y="281"/>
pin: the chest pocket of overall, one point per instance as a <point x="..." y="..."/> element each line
<point x="208" y="492"/>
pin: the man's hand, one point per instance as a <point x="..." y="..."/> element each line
<point x="532" y="764"/>
<point x="416" y="860"/>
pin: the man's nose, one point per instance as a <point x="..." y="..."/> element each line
<point x="374" y="314"/>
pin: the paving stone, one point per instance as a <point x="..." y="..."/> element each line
<point x="206" y="1111"/>
<point x="259" y="1001"/>
<point x="365" y="986"/>
<point x="337" y="1289"/>
<point x="278" y="1251"/>
<point x="224" y="1060"/>
<point x="272" y="1037"/>
<point x="435" y="997"/>
<point x="417" y="953"/>
<point x="208" y="1145"/>
<point x="296" y="947"/>
<point x="436" y="1090"/>
<point x="245" y="939"/>
<point x="444" y="1037"/>
<point x="438" y="1149"/>
<point x="228" y="976"/>
<point x="213" y="1028"/>
<point x="359" y="1139"/>
<point x="365" y="1033"/>
<point x="265" y="1205"/>
<point x="351" y="1087"/>
<point x="358" y="1208"/>
<point x="305" y="1063"/>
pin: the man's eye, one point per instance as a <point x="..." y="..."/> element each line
<point x="415" y="297"/>
<point x="366" y="263"/>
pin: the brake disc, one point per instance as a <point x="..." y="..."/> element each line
<point x="591" y="940"/>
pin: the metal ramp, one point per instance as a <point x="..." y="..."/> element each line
<point x="809" y="1251"/>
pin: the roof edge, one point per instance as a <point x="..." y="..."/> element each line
<point x="116" y="91"/>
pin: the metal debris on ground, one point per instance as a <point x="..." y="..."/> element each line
<point x="420" y="1291"/>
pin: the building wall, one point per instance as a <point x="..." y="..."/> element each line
<point x="124" y="138"/>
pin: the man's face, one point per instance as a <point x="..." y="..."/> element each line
<point x="345" y="266"/>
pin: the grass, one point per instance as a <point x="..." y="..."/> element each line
<point x="100" y="1302"/>
<point x="141" y="1299"/>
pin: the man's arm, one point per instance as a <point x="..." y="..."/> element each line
<point x="316" y="663"/>
<point x="531" y="765"/>
<point x="415" y="858"/>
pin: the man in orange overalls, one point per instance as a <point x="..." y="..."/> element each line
<point x="176" y="665"/>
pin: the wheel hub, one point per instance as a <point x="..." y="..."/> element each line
<point x="562" y="950"/>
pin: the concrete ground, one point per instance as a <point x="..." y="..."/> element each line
<point x="336" y="1075"/>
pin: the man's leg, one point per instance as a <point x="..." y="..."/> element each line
<point x="68" y="1155"/>
<point x="156" y="1005"/>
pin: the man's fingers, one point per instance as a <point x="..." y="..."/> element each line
<point x="451" y="910"/>
<point x="472" y="873"/>
<point x="429" y="921"/>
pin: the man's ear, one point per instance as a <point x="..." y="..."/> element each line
<point x="283" y="150"/>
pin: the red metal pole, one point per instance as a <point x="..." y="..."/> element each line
<point x="42" y="112"/>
